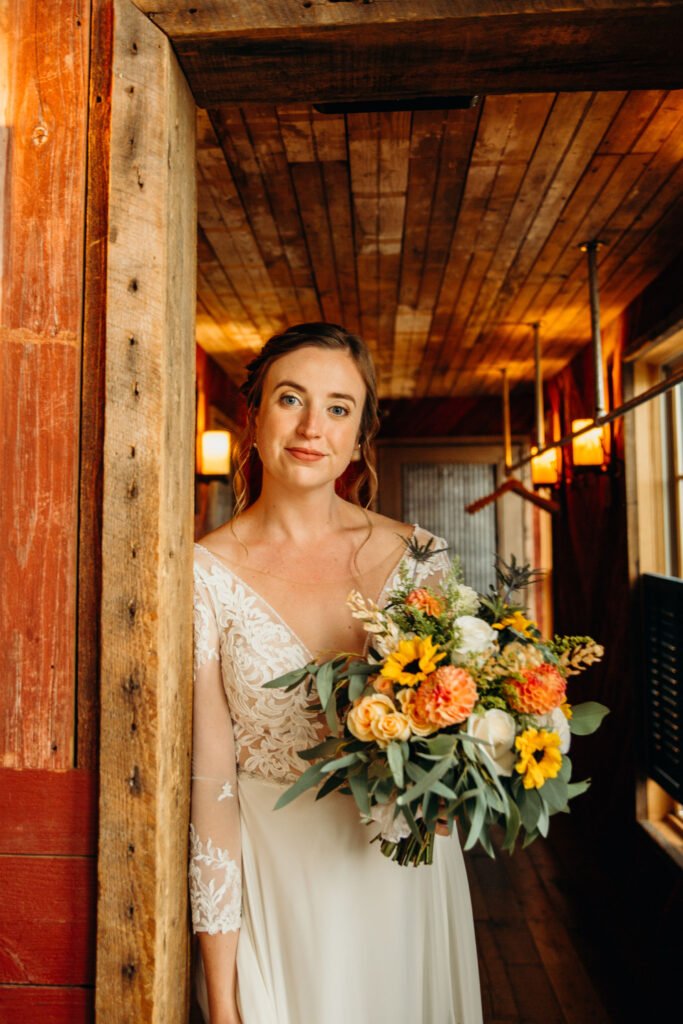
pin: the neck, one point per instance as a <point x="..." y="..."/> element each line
<point x="300" y="517"/>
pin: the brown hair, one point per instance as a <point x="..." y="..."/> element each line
<point x="360" y="477"/>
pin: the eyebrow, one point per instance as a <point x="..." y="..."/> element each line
<point x="300" y="387"/>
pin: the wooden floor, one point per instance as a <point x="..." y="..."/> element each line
<point x="534" y="964"/>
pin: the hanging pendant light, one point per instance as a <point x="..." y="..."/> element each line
<point x="545" y="468"/>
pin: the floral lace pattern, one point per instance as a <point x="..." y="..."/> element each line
<point x="240" y="644"/>
<point x="216" y="902"/>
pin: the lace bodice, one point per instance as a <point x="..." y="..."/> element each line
<point x="240" y="643"/>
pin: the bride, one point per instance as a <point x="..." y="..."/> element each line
<point x="299" y="919"/>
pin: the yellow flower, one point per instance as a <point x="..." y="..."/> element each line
<point x="519" y="623"/>
<point x="539" y="757"/>
<point x="566" y="709"/>
<point x="364" y="712"/>
<point x="390" y="727"/>
<point x="412" y="661"/>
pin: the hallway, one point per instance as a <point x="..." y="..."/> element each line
<point x="534" y="963"/>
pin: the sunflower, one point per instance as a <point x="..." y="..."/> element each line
<point x="412" y="661"/>
<point x="539" y="757"/>
<point x="519" y="622"/>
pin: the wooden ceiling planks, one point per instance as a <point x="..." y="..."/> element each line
<point x="441" y="235"/>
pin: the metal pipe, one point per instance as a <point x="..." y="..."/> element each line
<point x="657" y="389"/>
<point x="591" y="249"/>
<point x="540" y="420"/>
<point x="507" y="433"/>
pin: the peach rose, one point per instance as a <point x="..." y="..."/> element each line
<point x="419" y="726"/>
<point x="446" y="697"/>
<point x="423" y="600"/>
<point x="386" y="728"/>
<point x="365" y="711"/>
<point x="383" y="685"/>
<point x="538" y="691"/>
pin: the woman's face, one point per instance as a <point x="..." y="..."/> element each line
<point x="308" y="421"/>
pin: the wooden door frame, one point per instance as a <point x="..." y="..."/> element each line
<point x="146" y="646"/>
<point x="149" y="463"/>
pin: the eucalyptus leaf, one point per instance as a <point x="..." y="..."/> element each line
<point x="477" y="823"/>
<point x="310" y="777"/>
<point x="408" y="815"/>
<point x="290" y="679"/>
<point x="529" y="808"/>
<point x="395" y="759"/>
<point x="324" y="681"/>
<point x="555" y="793"/>
<point x="331" y="783"/>
<point x="339" y="762"/>
<point x="425" y="781"/>
<point x="543" y="817"/>
<point x="332" y="717"/>
<point x="327" y="748"/>
<point x="577" y="788"/>
<point x="586" y="718"/>
<point x="356" y="686"/>
<point x="358" y="783"/>
<point x="512" y="826"/>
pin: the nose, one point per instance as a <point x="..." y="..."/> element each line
<point x="309" y="423"/>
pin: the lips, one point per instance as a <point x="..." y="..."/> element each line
<point x="306" y="454"/>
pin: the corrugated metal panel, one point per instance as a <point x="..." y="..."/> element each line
<point x="435" y="494"/>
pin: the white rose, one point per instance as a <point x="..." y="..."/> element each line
<point x="477" y="635"/>
<point x="391" y="828"/>
<point x="497" y="729"/>
<point x="556" y="721"/>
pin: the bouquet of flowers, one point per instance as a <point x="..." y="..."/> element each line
<point x="459" y="712"/>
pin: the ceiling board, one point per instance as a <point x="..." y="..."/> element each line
<point x="439" y="235"/>
<point x="269" y="51"/>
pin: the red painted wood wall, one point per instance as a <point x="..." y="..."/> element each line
<point x="51" y="305"/>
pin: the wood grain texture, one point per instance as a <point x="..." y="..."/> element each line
<point x="92" y="387"/>
<point x="47" y="920"/>
<point x="48" y="1004"/>
<point x="48" y="812"/>
<point x="371" y="51"/>
<point x="147" y="534"/>
<point x="442" y="234"/>
<point x="43" y="97"/>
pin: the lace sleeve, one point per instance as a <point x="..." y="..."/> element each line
<point x="215" y="847"/>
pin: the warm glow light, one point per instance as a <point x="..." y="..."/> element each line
<point x="215" y="453"/>
<point x="545" y="468"/>
<point x="589" y="448"/>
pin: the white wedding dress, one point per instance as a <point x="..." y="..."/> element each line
<point x="331" y="931"/>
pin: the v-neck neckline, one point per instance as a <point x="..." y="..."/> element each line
<point x="275" y="613"/>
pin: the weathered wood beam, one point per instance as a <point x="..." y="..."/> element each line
<point x="147" y="534"/>
<point x="290" y="51"/>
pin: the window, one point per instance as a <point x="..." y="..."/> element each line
<point x="655" y="484"/>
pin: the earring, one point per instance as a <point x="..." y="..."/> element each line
<point x="356" y="454"/>
<point x="254" y="445"/>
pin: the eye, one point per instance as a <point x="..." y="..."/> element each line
<point x="339" y="410"/>
<point x="289" y="399"/>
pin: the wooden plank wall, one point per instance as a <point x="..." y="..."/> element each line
<point x="48" y="805"/>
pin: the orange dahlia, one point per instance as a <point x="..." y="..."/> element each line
<point x="446" y="697"/>
<point x="538" y="691"/>
<point x="423" y="600"/>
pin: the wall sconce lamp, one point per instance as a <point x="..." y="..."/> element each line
<point x="215" y="454"/>
<point x="545" y="468"/>
<point x="589" y="448"/>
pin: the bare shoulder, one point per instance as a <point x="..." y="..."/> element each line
<point x="387" y="535"/>
<point x="224" y="543"/>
